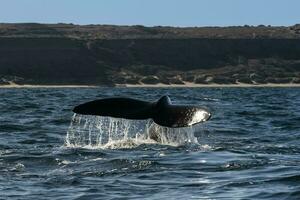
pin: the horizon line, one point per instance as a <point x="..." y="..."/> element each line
<point x="152" y="26"/>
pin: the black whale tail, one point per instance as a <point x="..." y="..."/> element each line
<point x="163" y="112"/>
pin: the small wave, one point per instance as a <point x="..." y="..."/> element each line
<point x="18" y="167"/>
<point x="14" y="168"/>
<point x="243" y="164"/>
<point x="293" y="178"/>
<point x="106" y="132"/>
<point x="55" y="181"/>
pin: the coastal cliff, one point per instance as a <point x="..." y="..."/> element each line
<point x="62" y="54"/>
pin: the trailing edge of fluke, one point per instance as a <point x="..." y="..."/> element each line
<point x="163" y="112"/>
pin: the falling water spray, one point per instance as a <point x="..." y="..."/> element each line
<point x="107" y="132"/>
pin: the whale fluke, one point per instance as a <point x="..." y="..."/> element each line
<point x="163" y="112"/>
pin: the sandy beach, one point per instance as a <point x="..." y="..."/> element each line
<point x="193" y="85"/>
<point x="47" y="86"/>
<point x="186" y="85"/>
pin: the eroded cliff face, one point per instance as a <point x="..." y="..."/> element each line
<point x="48" y="61"/>
<point x="60" y="55"/>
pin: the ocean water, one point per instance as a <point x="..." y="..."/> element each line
<point x="250" y="148"/>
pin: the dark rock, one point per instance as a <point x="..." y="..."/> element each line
<point x="245" y="80"/>
<point x="295" y="80"/>
<point x="165" y="81"/>
<point x="132" y="81"/>
<point x="257" y="78"/>
<point x="224" y="80"/>
<point x="176" y="81"/>
<point x="150" y="80"/>
<point x="119" y="80"/>
<point x="188" y="78"/>
<point x="204" y="79"/>
<point x="279" y="80"/>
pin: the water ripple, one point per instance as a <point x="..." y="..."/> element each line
<point x="248" y="150"/>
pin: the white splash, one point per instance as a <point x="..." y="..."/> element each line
<point x="107" y="132"/>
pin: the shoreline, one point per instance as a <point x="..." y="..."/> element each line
<point x="186" y="85"/>
<point x="213" y="85"/>
<point x="46" y="86"/>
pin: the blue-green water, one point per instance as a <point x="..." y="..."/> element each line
<point x="250" y="149"/>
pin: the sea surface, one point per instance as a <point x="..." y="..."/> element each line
<point x="249" y="149"/>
